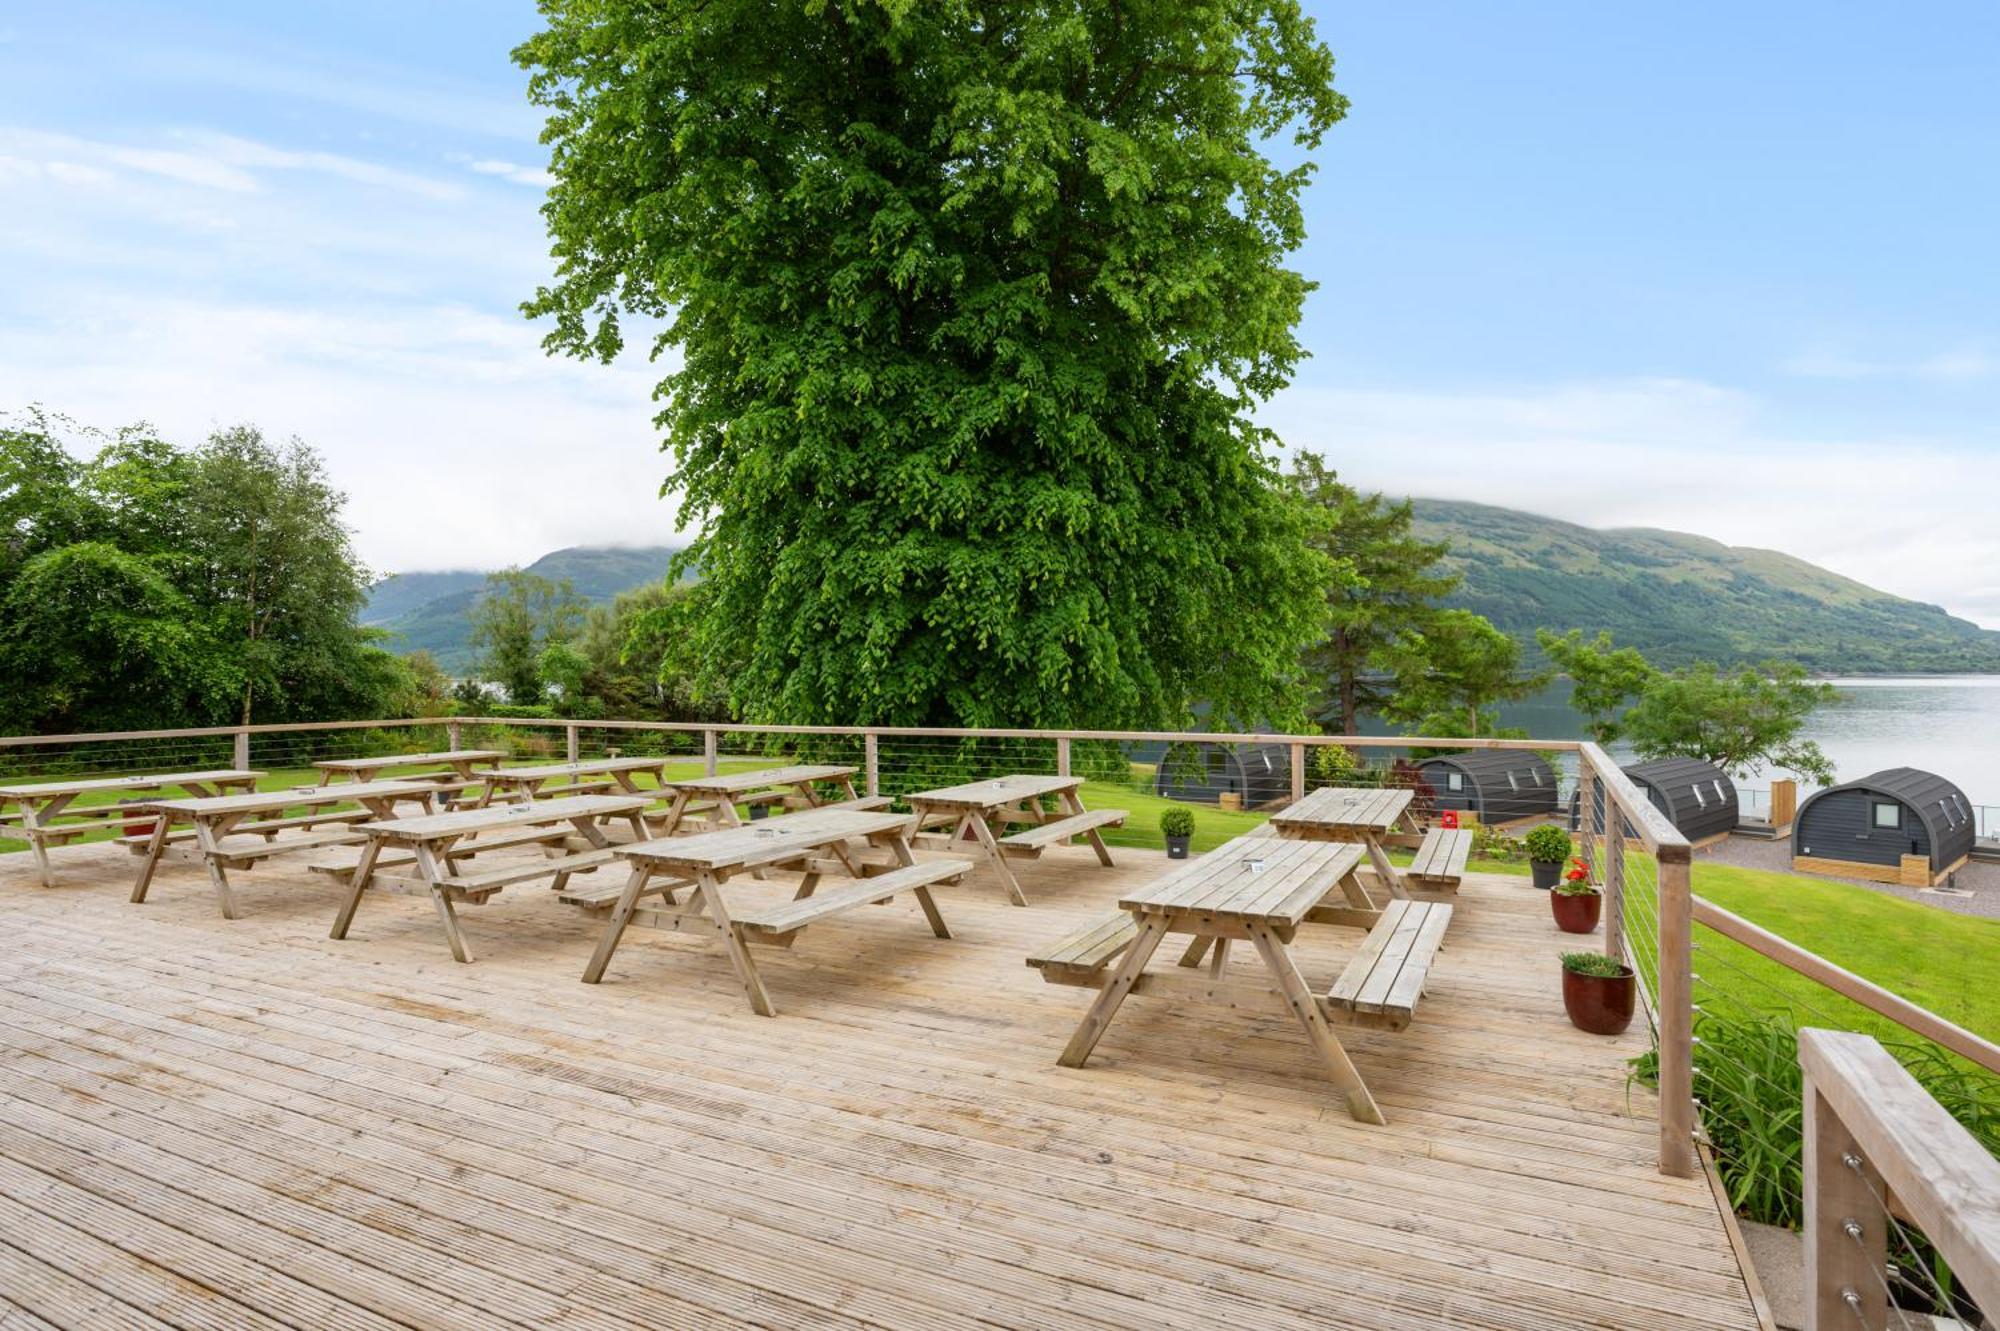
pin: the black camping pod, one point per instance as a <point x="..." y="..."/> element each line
<point x="1494" y="785"/>
<point x="1875" y="823"/>
<point x="1201" y="773"/>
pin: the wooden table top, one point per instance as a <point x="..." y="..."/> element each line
<point x="1342" y="809"/>
<point x="765" y="841"/>
<point x="151" y="781"/>
<point x="735" y="783"/>
<point x="994" y="793"/>
<point x="267" y="801"/>
<point x="1251" y="878"/>
<point x="409" y="760"/>
<point x="582" y="767"/>
<point x="439" y="826"/>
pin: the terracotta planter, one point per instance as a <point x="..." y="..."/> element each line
<point x="1177" y="847"/>
<point x="138" y="826"/>
<point x="1599" y="1004"/>
<point x="1547" y="872"/>
<point x="1576" y="912"/>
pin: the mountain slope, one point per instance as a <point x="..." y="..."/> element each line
<point x="432" y="611"/>
<point x="1678" y="597"/>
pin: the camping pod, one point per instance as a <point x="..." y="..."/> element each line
<point x="1493" y="785"/>
<point x="1202" y="773"/>
<point x="1697" y="797"/>
<point x="1897" y="826"/>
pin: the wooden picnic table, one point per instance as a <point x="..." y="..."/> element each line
<point x="456" y="762"/>
<point x="724" y="790"/>
<point x="1340" y="813"/>
<point x="44" y="803"/>
<point x="584" y="776"/>
<point x="706" y="860"/>
<point x="437" y="842"/>
<point x="987" y="809"/>
<point x="1263" y="889"/>
<point x="217" y="817"/>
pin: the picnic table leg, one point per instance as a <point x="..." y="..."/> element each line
<point x="428" y="866"/>
<point x="1384" y="870"/>
<point x="1220" y="959"/>
<point x="1151" y="930"/>
<point x="1073" y="803"/>
<point x="31" y="823"/>
<point x="984" y="835"/>
<point x="363" y="871"/>
<point x="1196" y="950"/>
<point x="899" y="848"/>
<point x="614" y="928"/>
<point x="1305" y="1006"/>
<point x="156" y="845"/>
<point x="708" y="889"/>
<point x="1357" y="895"/>
<point x="675" y="810"/>
<point x="211" y="848"/>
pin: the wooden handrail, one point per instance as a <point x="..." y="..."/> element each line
<point x="1872" y="1134"/>
<point x="1918" y="1020"/>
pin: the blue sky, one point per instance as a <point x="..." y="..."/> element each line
<point x="1723" y="268"/>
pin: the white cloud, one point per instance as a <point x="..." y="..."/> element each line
<point x="520" y="175"/>
<point x="1908" y="516"/>
<point x="220" y="162"/>
<point x="1964" y="364"/>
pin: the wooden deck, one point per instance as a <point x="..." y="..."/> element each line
<point x="207" y="1123"/>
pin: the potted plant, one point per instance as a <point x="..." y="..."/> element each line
<point x="1548" y="846"/>
<point x="1576" y="902"/>
<point x="1598" y="992"/>
<point x="1177" y="825"/>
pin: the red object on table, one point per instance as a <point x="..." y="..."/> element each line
<point x="1448" y="818"/>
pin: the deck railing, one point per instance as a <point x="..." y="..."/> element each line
<point x="1693" y="981"/>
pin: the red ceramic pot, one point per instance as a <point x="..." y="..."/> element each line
<point x="1576" y="912"/>
<point x="1600" y="1004"/>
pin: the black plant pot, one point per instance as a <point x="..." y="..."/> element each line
<point x="1177" y="847"/>
<point x="1547" y="872"/>
<point x="759" y="811"/>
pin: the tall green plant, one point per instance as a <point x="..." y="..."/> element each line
<point x="970" y="306"/>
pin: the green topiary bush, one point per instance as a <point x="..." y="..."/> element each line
<point x="1548" y="843"/>
<point x="1177" y="822"/>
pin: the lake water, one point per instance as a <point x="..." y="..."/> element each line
<point x="1948" y="724"/>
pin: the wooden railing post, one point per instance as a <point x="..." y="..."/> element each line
<point x="240" y="752"/>
<point x="1611" y="873"/>
<point x="872" y="761"/>
<point x="1587" y="798"/>
<point x="1847" y="1237"/>
<point x="570" y="742"/>
<point x="454" y="734"/>
<point x="1298" y="772"/>
<point x="708" y="752"/>
<point x="1062" y="755"/>
<point x="1674" y="996"/>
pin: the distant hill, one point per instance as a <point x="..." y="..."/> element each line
<point x="431" y="611"/>
<point x="1679" y="598"/>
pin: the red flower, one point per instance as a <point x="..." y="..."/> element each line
<point x="1579" y="874"/>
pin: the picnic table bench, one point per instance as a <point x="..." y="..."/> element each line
<point x="44" y="803"/>
<point x="1364" y="816"/>
<point x="1263" y="890"/>
<point x="586" y="776"/>
<point x="229" y="834"/>
<point x="704" y="861"/>
<point x="437" y="843"/>
<point x="795" y="787"/>
<point x="1439" y="862"/>
<point x="450" y="769"/>
<point x="987" y="809"/>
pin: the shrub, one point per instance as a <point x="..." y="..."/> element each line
<point x="1595" y="965"/>
<point x="1490" y="843"/>
<point x="1177" y="822"/>
<point x="1548" y="843"/>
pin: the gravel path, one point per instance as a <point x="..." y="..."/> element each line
<point x="1977" y="884"/>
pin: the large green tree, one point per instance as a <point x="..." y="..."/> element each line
<point x="968" y="305"/>
<point x="517" y="619"/>
<point x="1604" y="678"/>
<point x="1381" y="597"/>
<point x="1740" y="720"/>
<point x="1451" y="677"/>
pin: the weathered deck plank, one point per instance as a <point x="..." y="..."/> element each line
<point x="197" y="1123"/>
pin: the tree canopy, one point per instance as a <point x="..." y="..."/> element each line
<point x="967" y="306"/>
<point x="1739" y="721"/>
<point x="151" y="586"/>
